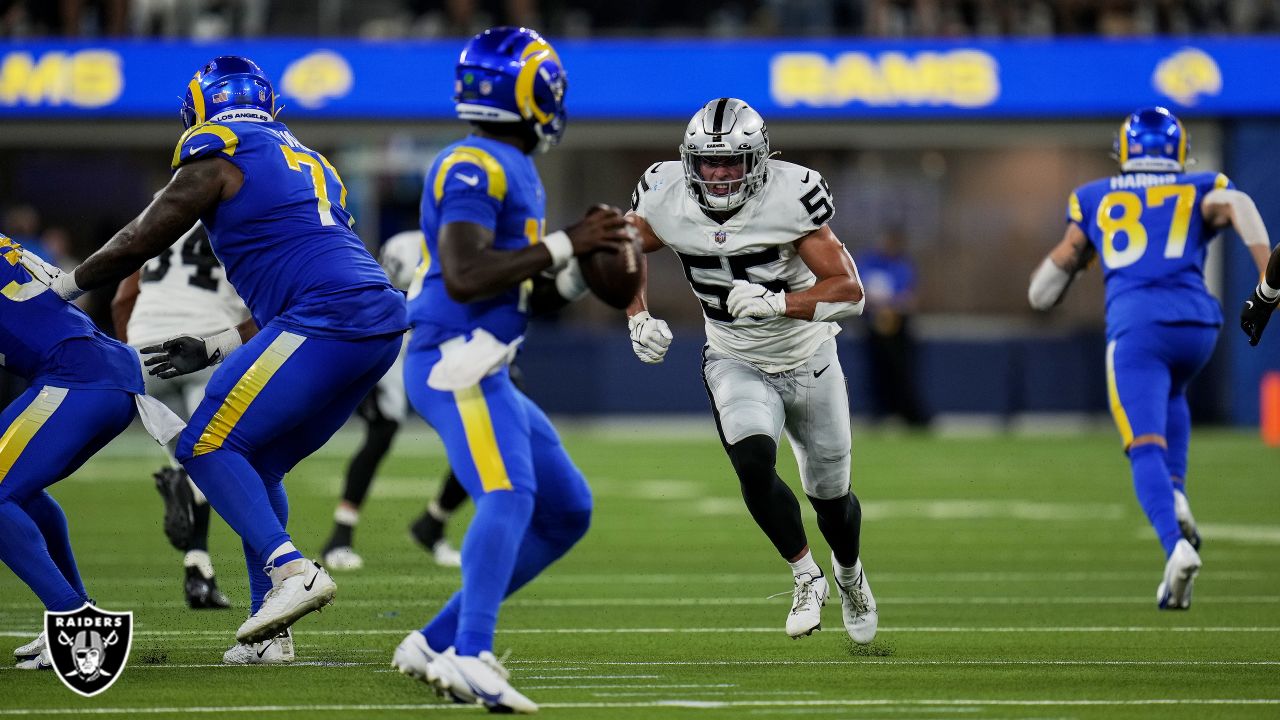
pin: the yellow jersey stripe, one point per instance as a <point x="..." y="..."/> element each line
<point x="246" y="390"/>
<point x="25" y="426"/>
<point x="491" y="167"/>
<point x="1073" y="208"/>
<point x="226" y="134"/>
<point x="477" y="425"/>
<point x="1113" y="395"/>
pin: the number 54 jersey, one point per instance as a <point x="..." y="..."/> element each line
<point x="285" y="239"/>
<point x="758" y="244"/>
<point x="1151" y="236"/>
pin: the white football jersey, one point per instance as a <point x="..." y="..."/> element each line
<point x="184" y="291"/>
<point x="757" y="244"/>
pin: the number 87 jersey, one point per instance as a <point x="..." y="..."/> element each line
<point x="757" y="244"/>
<point x="1150" y="233"/>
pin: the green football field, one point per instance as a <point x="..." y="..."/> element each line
<point x="1015" y="578"/>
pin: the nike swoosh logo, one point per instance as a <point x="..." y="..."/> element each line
<point x="312" y="581"/>
<point x="806" y="178"/>
<point x="472" y="180"/>
<point x="265" y="648"/>
<point x="819" y="372"/>
<point x="1248" y="304"/>
<point x="197" y="149"/>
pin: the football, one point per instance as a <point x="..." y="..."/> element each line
<point x="614" y="277"/>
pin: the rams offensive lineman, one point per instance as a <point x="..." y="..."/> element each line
<point x="1150" y="225"/>
<point x="182" y="290"/>
<point x="330" y="320"/>
<point x="773" y="280"/>
<point x="483" y="217"/>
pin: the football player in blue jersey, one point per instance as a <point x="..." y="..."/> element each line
<point x="330" y="320"/>
<point x="81" y="394"/>
<point x="483" y="220"/>
<point x="1150" y="225"/>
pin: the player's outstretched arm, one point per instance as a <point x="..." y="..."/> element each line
<point x="1051" y="279"/>
<point x="186" y="353"/>
<point x="650" y="336"/>
<point x="122" y="305"/>
<point x="474" y="270"/>
<point x="1228" y="206"/>
<point x="195" y="188"/>
<point x="837" y="294"/>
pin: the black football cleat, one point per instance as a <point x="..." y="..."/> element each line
<point x="179" y="504"/>
<point x="203" y="593"/>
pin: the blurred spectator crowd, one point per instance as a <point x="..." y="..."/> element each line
<point x="389" y="19"/>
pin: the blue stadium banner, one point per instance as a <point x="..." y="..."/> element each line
<point x="645" y="79"/>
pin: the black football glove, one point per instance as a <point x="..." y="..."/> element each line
<point x="177" y="356"/>
<point x="1254" y="315"/>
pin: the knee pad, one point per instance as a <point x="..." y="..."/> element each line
<point x="754" y="459"/>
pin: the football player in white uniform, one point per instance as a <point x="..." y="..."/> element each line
<point x="772" y="279"/>
<point x="383" y="410"/>
<point x="182" y="291"/>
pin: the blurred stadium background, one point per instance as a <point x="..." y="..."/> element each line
<point x="963" y="125"/>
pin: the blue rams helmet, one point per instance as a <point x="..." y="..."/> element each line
<point x="1151" y="139"/>
<point x="227" y="83"/>
<point x="511" y="74"/>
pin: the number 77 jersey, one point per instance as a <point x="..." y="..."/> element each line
<point x="285" y="239"/>
<point x="758" y="244"/>
<point x="1151" y="237"/>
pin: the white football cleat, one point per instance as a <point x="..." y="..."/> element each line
<point x="275" y="651"/>
<point x="413" y="655"/>
<point x="1186" y="523"/>
<point x="446" y="555"/>
<point x="1180" y="571"/>
<point x="299" y="587"/>
<point x="31" y="649"/>
<point x="41" y="661"/>
<point x="481" y="680"/>
<point x="857" y="604"/>
<point x="343" y="558"/>
<point x="807" y="600"/>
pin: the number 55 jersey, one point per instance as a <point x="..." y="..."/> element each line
<point x="758" y="244"/>
<point x="1150" y="234"/>
<point x="291" y="213"/>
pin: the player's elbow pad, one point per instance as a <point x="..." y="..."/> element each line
<point x="837" y="310"/>
<point x="1248" y="220"/>
<point x="1048" y="284"/>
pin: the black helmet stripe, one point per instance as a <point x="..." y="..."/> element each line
<point x="719" y="117"/>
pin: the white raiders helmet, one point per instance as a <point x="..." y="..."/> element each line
<point x="731" y="131"/>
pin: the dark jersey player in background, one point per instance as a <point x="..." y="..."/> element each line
<point x="1150" y="225"/>
<point x="330" y="320"/>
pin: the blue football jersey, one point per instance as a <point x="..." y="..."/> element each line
<point x="490" y="183"/>
<point x="35" y="325"/>
<point x="1151" y="238"/>
<point x="285" y="239"/>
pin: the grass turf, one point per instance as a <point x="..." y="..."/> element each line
<point x="1015" y="577"/>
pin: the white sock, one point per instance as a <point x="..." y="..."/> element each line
<point x="344" y="515"/>
<point x="284" y="548"/>
<point x="846" y="576"/>
<point x="199" y="559"/>
<point x="805" y="565"/>
<point x="437" y="512"/>
<point x="1267" y="291"/>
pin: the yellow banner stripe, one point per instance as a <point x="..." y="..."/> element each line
<point x="477" y="425"/>
<point x="25" y="426"/>
<point x="1113" y="395"/>
<point x="246" y="390"/>
<point x="492" y="168"/>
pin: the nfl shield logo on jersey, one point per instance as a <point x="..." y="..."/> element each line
<point x="88" y="647"/>
<point x="721" y="237"/>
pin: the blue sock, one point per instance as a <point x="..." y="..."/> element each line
<point x="23" y="549"/>
<point x="45" y="512"/>
<point x="488" y="559"/>
<point x="259" y="581"/>
<point x="1155" y="493"/>
<point x="239" y="495"/>
<point x="546" y="541"/>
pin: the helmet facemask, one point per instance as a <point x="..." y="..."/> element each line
<point x="725" y="153"/>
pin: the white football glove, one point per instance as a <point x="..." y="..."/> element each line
<point x="650" y="337"/>
<point x="752" y="300"/>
